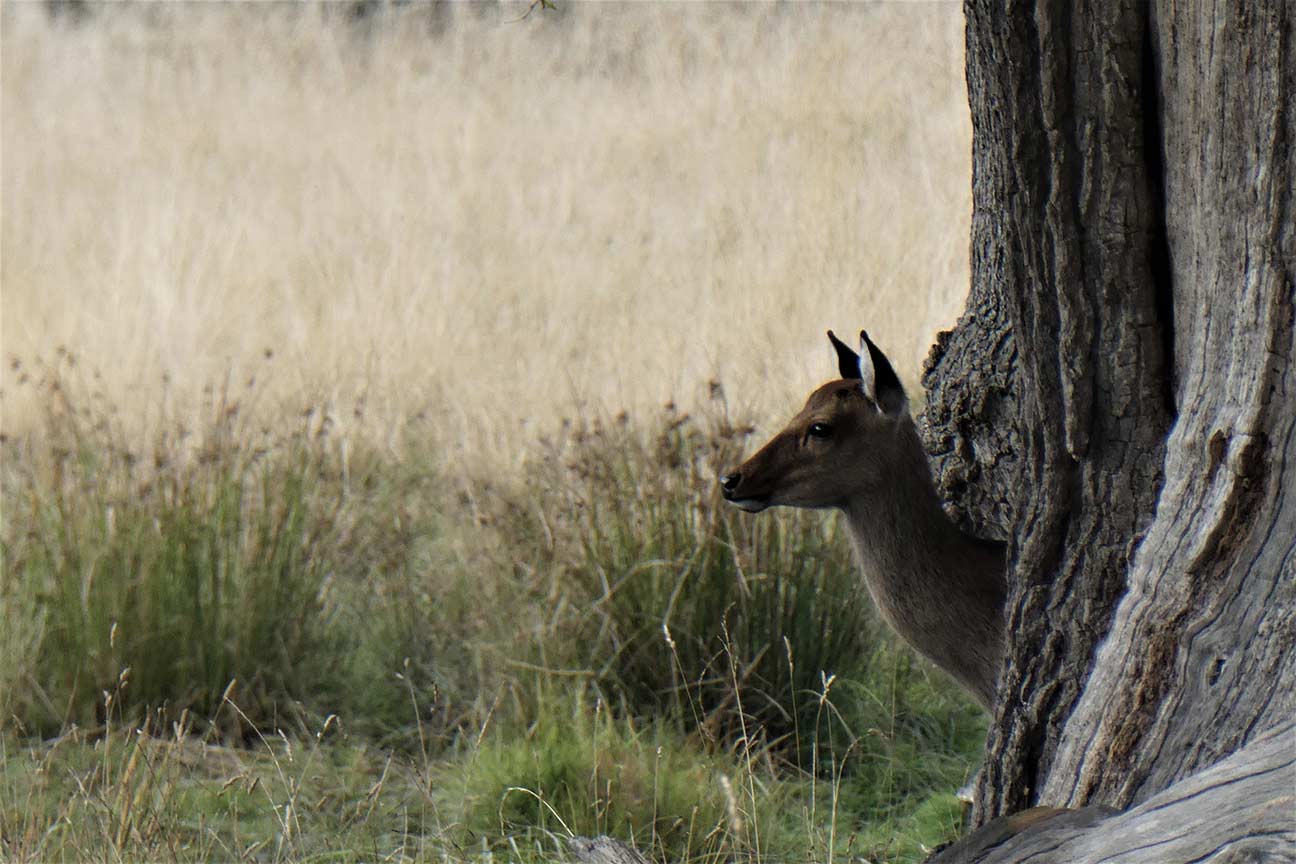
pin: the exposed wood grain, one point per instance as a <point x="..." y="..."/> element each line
<point x="1065" y="326"/>
<point x="1200" y="657"/>
<point x="604" y="850"/>
<point x="1241" y="809"/>
<point x="1119" y="401"/>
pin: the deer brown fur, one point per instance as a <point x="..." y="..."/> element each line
<point x="854" y="448"/>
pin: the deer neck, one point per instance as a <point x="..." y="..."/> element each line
<point x="940" y="589"/>
<point x="904" y="529"/>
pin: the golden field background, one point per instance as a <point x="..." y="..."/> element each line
<point x="496" y="224"/>
<point x="425" y="619"/>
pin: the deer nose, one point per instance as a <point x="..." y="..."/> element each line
<point x="729" y="482"/>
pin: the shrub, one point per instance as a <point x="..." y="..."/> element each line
<point x="682" y="606"/>
<point x="329" y="576"/>
<point x="275" y="567"/>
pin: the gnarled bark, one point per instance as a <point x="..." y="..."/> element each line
<point x="1119" y="402"/>
<point x="1064" y="241"/>
<point x="1238" y="810"/>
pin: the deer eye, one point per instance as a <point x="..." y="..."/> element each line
<point x="820" y="430"/>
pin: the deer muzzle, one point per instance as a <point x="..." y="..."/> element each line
<point x="731" y="487"/>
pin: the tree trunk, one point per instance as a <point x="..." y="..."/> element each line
<point x="1119" y="400"/>
<point x="1238" y="810"/>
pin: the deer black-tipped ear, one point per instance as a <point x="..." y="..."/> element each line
<point x="878" y="380"/>
<point x="848" y="362"/>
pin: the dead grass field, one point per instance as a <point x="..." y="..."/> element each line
<point x="446" y="240"/>
<point x="593" y="209"/>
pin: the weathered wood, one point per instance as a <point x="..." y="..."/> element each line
<point x="1242" y="809"/>
<point x="604" y="850"/>
<point x="1066" y="296"/>
<point x="1200" y="657"/>
<point x="1119" y="401"/>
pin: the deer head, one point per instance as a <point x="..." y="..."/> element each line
<point x="838" y="447"/>
<point x="854" y="447"/>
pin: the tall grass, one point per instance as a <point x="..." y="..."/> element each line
<point x="213" y="556"/>
<point x="689" y="607"/>
<point x="372" y="596"/>
<point x="543" y="645"/>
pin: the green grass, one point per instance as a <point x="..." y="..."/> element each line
<point x="120" y="796"/>
<point x="682" y="606"/>
<point x="240" y="643"/>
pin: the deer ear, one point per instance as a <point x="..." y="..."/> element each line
<point x="848" y="362"/>
<point x="879" y="381"/>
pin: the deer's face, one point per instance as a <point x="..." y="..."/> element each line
<point x="825" y="455"/>
<point x="835" y="448"/>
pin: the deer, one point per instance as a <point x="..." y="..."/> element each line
<point x="854" y="448"/>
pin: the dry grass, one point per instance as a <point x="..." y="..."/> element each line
<point x="456" y="238"/>
<point x="603" y="206"/>
<point x="542" y="655"/>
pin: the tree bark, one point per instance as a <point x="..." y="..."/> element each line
<point x="1238" y="810"/>
<point x="1119" y="400"/>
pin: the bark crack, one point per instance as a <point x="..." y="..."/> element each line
<point x="1159" y="262"/>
